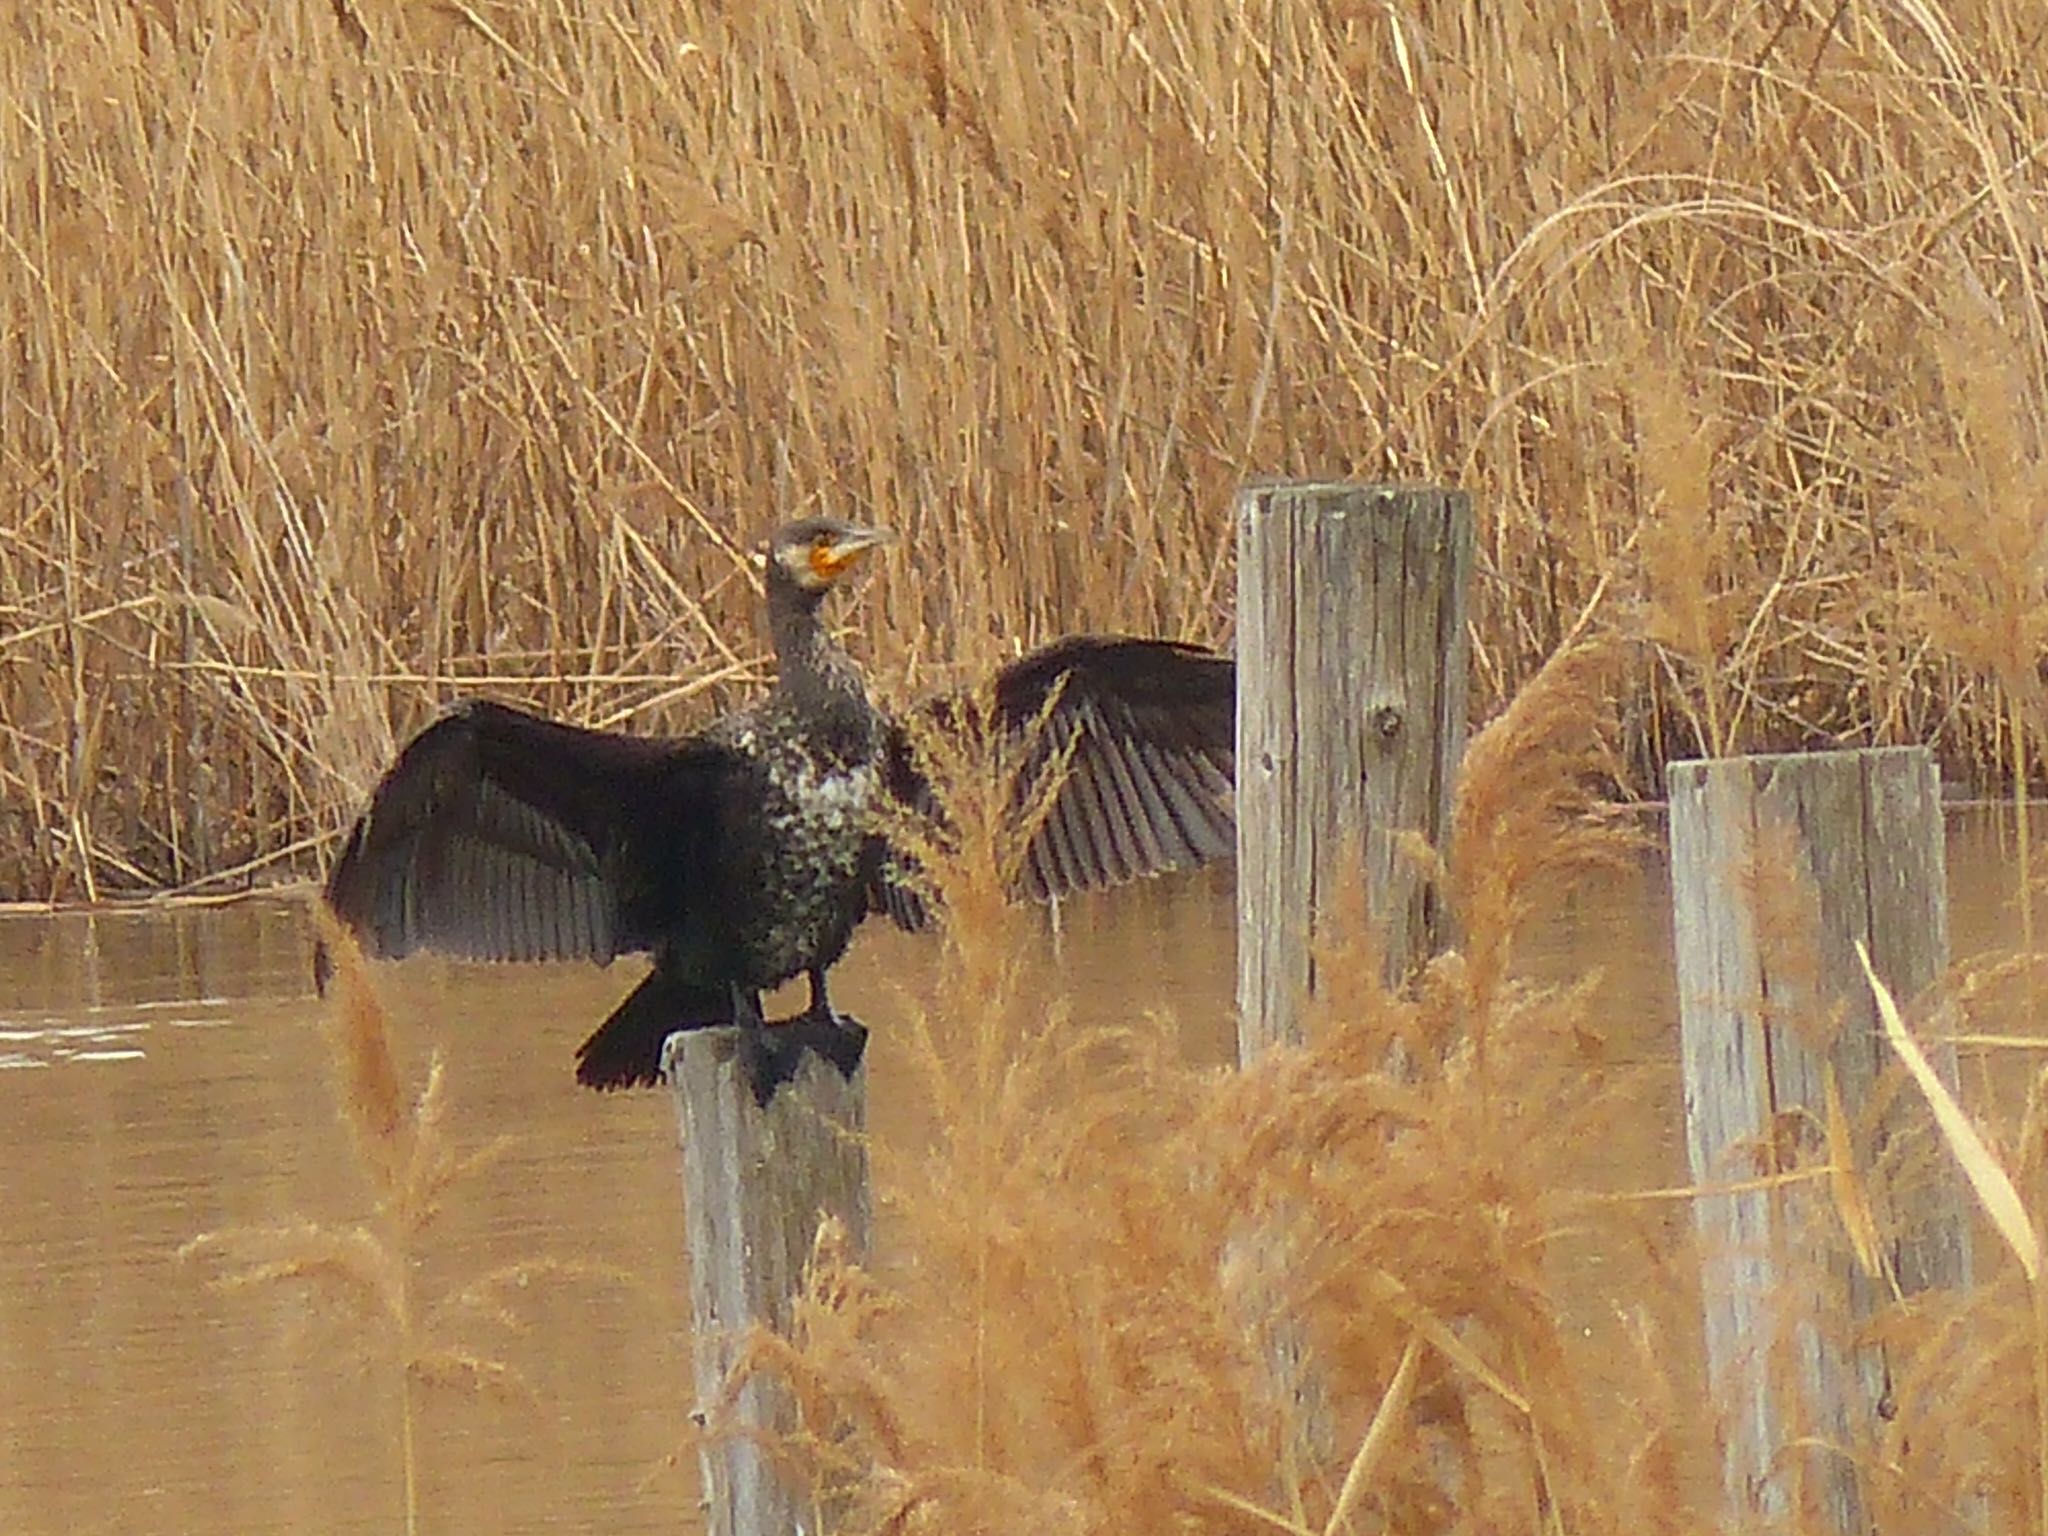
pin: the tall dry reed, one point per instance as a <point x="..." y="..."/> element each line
<point x="361" y="353"/>
<point x="1072" y="1326"/>
<point x="368" y="1272"/>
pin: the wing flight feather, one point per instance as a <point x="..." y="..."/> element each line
<point x="1144" y="733"/>
<point x="499" y="835"/>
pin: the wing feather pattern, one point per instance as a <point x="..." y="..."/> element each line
<point x="1147" y="731"/>
<point x="498" y="835"/>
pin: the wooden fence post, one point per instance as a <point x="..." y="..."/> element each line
<point x="757" y="1184"/>
<point x="1351" y="676"/>
<point x="1352" y="652"/>
<point x="1778" y="866"/>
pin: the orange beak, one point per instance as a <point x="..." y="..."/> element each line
<point x="831" y="561"/>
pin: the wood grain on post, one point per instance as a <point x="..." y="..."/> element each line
<point x="1779" y="865"/>
<point x="757" y="1184"/>
<point x="1352" y="652"/>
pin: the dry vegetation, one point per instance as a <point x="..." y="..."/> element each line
<point x="359" y="352"/>
<point x="368" y="1273"/>
<point x="1072" y="1324"/>
<point x="1090" y="1255"/>
<point x="1093" y="1253"/>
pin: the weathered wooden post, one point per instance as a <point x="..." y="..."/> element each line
<point x="1352" y="652"/>
<point x="1779" y="865"/>
<point x="757" y="1184"/>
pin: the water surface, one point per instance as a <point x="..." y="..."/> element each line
<point x="164" y="1073"/>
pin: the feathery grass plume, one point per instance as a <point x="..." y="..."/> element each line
<point x="367" y="1270"/>
<point x="365" y="1063"/>
<point x="1687" y="549"/>
<point x="1528" y="816"/>
<point x="1062" y="1343"/>
<point x="986" y="793"/>
<point x="1981" y="589"/>
<point x="964" y="847"/>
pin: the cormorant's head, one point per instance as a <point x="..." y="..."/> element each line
<point x="815" y="553"/>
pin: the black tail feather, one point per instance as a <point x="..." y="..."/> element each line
<point x="625" y="1052"/>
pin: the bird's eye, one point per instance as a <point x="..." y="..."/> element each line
<point x="821" y="542"/>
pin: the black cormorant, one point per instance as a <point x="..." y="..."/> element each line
<point x="745" y="855"/>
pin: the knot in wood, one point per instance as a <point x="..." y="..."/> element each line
<point x="1388" y="721"/>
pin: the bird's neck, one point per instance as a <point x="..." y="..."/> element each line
<point x="813" y="672"/>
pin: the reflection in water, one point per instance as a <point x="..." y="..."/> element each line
<point x="172" y="1078"/>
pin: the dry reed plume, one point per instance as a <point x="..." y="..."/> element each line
<point x="368" y="1271"/>
<point x="1072" y="1325"/>
<point x="1071" y="1329"/>
<point x="363" y="352"/>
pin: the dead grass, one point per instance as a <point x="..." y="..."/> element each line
<point x="359" y="354"/>
<point x="356" y="354"/>
<point x="2007" y="1313"/>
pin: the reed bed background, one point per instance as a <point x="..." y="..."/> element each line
<point x="360" y="352"/>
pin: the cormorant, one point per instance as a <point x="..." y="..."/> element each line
<point x="745" y="855"/>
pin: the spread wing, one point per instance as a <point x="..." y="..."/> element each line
<point x="1146" y="732"/>
<point x="498" y="835"/>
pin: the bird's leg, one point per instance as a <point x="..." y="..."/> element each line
<point x="840" y="1040"/>
<point x="821" y="1005"/>
<point x="769" y="1058"/>
<point x="746" y="1008"/>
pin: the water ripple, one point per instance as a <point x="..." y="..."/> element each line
<point x="97" y="1033"/>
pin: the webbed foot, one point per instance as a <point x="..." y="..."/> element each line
<point x="840" y="1038"/>
<point x="771" y="1056"/>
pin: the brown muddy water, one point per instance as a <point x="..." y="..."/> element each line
<point x="162" y="1073"/>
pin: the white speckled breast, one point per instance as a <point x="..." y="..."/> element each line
<point x="810" y="866"/>
<point x="797" y="890"/>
